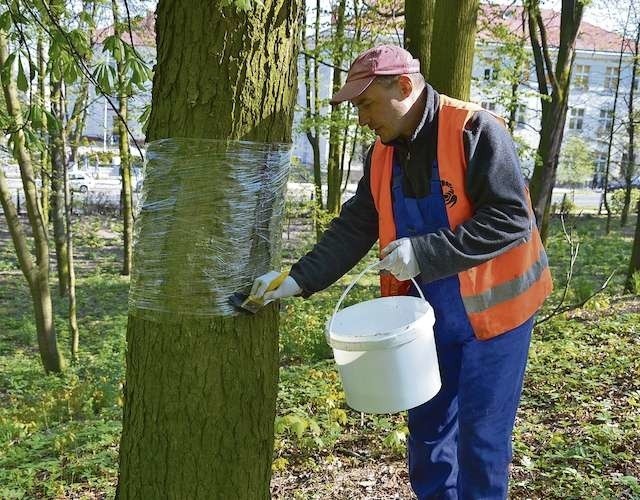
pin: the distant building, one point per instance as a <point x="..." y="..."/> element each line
<point x="593" y="84"/>
<point x="595" y="75"/>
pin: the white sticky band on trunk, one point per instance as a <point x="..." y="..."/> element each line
<point x="208" y="222"/>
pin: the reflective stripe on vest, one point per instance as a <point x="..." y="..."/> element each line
<point x="499" y="294"/>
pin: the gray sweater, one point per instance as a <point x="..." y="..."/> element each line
<point x="494" y="184"/>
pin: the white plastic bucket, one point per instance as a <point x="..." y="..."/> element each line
<point x="385" y="351"/>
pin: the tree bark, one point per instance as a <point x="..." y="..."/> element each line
<point x="200" y="394"/>
<point x="74" y="332"/>
<point x="631" y="130"/>
<point x="418" y="30"/>
<point x="37" y="276"/>
<point x="126" y="194"/>
<point x="634" y="262"/>
<point x="554" y="100"/>
<point x="452" y="47"/>
<point x="312" y="111"/>
<point x="45" y="173"/>
<point x="334" y="173"/>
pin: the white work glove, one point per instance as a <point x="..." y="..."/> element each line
<point x="400" y="259"/>
<point x="288" y="288"/>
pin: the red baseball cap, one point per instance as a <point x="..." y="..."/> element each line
<point x="381" y="60"/>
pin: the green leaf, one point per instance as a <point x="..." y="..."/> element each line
<point x="86" y="18"/>
<point x="144" y="118"/>
<point x="299" y="425"/>
<point x="105" y="75"/>
<point x="22" y="82"/>
<point x="5" y="21"/>
<point x="53" y="124"/>
<point x="36" y="117"/>
<point x="8" y="64"/>
<point x="70" y="72"/>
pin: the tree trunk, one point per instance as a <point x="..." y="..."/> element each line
<point x="57" y="191"/>
<point x="76" y="123"/>
<point x="126" y="194"/>
<point x="452" y="47"/>
<point x="37" y="276"/>
<point x="334" y="174"/>
<point x="418" y="29"/>
<point x="312" y="111"/>
<point x="553" y="84"/>
<point x="74" y="334"/>
<point x="631" y="130"/>
<point x="45" y="174"/>
<point x="546" y="166"/>
<point x="200" y="394"/>
<point x="634" y="263"/>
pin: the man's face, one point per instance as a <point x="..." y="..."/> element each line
<point x="382" y="108"/>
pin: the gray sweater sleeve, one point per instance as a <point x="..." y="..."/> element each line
<point x="347" y="240"/>
<point x="501" y="218"/>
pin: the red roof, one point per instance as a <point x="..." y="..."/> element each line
<point x="142" y="32"/>
<point x="590" y="37"/>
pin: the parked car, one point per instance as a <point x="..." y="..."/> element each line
<point x="622" y="184"/>
<point x="81" y="181"/>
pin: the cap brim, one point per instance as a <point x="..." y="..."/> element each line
<point x="351" y="90"/>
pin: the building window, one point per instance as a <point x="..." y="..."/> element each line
<point x="611" y="77"/>
<point x="577" y="116"/>
<point x="489" y="106"/>
<point x="605" y="122"/>
<point x="581" y="76"/>
<point x="491" y="74"/>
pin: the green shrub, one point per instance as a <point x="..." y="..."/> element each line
<point x="616" y="202"/>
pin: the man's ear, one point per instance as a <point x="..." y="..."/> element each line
<point x="406" y="85"/>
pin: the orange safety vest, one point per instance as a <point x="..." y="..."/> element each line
<point x="499" y="294"/>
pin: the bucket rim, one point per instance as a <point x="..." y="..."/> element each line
<point x="381" y="340"/>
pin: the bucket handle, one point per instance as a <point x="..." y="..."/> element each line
<point x="348" y="289"/>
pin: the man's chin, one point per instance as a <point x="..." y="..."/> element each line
<point x="386" y="141"/>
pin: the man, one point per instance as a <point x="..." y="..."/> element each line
<point x="443" y="192"/>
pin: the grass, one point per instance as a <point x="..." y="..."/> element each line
<point x="578" y="429"/>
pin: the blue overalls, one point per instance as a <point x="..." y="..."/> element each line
<point x="460" y="442"/>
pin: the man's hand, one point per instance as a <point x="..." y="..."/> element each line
<point x="268" y="288"/>
<point x="400" y="260"/>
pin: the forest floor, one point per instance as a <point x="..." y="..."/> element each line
<point x="577" y="432"/>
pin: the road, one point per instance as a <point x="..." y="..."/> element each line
<point x="108" y="191"/>
<point x="584" y="199"/>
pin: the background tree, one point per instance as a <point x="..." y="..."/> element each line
<point x="553" y="85"/>
<point x="418" y="28"/>
<point x="36" y="273"/>
<point x="629" y="168"/>
<point x="576" y="163"/>
<point x="200" y="394"/>
<point x="123" y="91"/>
<point x="54" y="12"/>
<point x="452" y="47"/>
